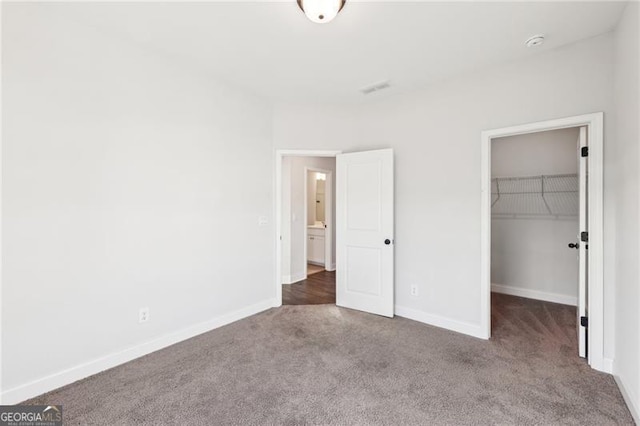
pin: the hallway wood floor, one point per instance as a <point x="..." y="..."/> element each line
<point x="317" y="289"/>
<point x="313" y="269"/>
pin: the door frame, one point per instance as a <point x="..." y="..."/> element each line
<point x="594" y="123"/>
<point x="329" y="219"/>
<point x="279" y="155"/>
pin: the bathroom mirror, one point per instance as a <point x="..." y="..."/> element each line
<point x="315" y="197"/>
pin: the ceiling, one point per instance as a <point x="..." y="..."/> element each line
<point x="274" y="51"/>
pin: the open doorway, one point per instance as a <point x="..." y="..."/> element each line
<point x="361" y="225"/>
<point x="539" y="210"/>
<point x="307" y="230"/>
<point x="536" y="210"/>
<point x="318" y="244"/>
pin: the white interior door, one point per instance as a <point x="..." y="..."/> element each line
<point x="583" y="241"/>
<point x="364" y="231"/>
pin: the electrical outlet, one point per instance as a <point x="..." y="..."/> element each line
<point x="143" y="315"/>
<point x="414" y="290"/>
<point x="263" y="221"/>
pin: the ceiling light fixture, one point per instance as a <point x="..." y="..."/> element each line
<point x="536" y="40"/>
<point x="321" y="11"/>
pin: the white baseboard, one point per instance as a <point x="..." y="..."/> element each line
<point x="332" y="267"/>
<point x="454" y="325"/>
<point x="535" y="294"/>
<point x="286" y="279"/>
<point x="292" y="279"/>
<point x="607" y="365"/>
<point x="73" y="374"/>
<point x="632" y="400"/>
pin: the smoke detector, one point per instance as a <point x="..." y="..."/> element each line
<point x="375" y="87"/>
<point x="535" y="40"/>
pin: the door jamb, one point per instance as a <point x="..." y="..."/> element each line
<point x="279" y="155"/>
<point x="595" y="135"/>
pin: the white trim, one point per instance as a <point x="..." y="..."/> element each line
<point x="331" y="267"/>
<point x="608" y="365"/>
<point x="631" y="400"/>
<point x="278" y="156"/>
<point x="563" y="299"/>
<point x="70" y="375"/>
<point x="470" y="329"/>
<point x="292" y="279"/>
<point x="305" y="217"/>
<point x="305" y="227"/>
<point x="329" y="221"/>
<point x="594" y="123"/>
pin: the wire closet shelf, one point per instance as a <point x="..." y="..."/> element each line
<point x="551" y="196"/>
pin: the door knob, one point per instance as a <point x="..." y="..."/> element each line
<point x="387" y="241"/>
<point x="574" y="245"/>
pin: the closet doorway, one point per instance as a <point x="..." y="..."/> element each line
<point x="535" y="227"/>
<point x="542" y="232"/>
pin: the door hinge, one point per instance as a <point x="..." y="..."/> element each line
<point x="584" y="151"/>
<point x="584" y="236"/>
<point x="584" y="321"/>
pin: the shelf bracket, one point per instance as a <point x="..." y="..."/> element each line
<point x="543" y="197"/>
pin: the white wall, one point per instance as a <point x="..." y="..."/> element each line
<point x="125" y="185"/>
<point x="529" y="256"/>
<point x="627" y="211"/>
<point x="293" y="215"/>
<point x="541" y="153"/>
<point x="436" y="137"/>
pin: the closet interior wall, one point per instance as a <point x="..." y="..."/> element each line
<point x="535" y="215"/>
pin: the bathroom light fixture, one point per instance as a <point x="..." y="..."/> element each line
<point x="321" y="11"/>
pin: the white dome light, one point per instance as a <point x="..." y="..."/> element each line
<point x="321" y="11"/>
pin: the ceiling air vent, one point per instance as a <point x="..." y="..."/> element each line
<point x="375" y="87"/>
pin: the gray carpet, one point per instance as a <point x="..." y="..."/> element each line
<point x="325" y="365"/>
